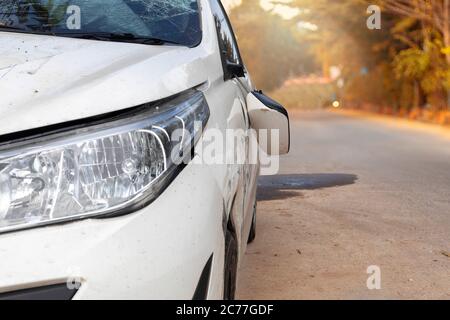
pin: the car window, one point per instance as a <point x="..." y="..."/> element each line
<point x="175" y="20"/>
<point x="227" y="41"/>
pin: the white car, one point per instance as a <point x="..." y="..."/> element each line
<point x="106" y="111"/>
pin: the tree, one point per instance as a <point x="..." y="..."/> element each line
<point x="269" y="45"/>
<point x="407" y="61"/>
<point x="431" y="12"/>
<point x="434" y="18"/>
<point x="343" y="40"/>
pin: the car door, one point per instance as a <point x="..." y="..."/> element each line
<point x="234" y="69"/>
<point x="238" y="120"/>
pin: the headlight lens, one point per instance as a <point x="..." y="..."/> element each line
<point x="116" y="166"/>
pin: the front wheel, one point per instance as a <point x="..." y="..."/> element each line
<point x="230" y="270"/>
<point x="252" y="234"/>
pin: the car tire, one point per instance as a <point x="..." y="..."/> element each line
<point x="252" y="234"/>
<point x="230" y="269"/>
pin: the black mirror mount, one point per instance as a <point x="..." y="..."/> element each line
<point x="235" y="70"/>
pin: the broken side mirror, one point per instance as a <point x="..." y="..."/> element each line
<point x="267" y="115"/>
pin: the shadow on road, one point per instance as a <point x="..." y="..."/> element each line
<point x="285" y="186"/>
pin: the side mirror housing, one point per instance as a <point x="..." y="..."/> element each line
<point x="267" y="115"/>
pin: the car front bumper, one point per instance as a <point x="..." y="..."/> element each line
<point x="156" y="253"/>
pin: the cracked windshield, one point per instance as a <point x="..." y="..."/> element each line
<point x="175" y="22"/>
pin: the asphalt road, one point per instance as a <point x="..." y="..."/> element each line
<point x="353" y="193"/>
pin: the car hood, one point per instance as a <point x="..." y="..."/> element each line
<point x="46" y="80"/>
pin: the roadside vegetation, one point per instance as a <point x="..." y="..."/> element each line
<point x="402" y="69"/>
<point x="304" y="96"/>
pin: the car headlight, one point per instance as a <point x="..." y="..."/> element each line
<point x="112" y="167"/>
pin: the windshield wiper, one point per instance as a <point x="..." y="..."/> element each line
<point x="110" y="36"/>
<point x="103" y="36"/>
<point x="11" y="28"/>
<point x="22" y="30"/>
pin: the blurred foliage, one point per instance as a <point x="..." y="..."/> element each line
<point x="269" y="46"/>
<point x="404" y="65"/>
<point x="305" y="96"/>
<point x="407" y="60"/>
<point x="49" y="14"/>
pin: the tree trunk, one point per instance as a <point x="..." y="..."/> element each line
<point x="416" y="98"/>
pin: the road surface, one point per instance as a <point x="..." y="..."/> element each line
<point x="353" y="193"/>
